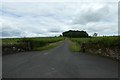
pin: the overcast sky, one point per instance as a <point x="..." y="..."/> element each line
<point x="41" y="19"/>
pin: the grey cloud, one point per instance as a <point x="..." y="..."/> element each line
<point x="47" y="19"/>
<point x="91" y="15"/>
<point x="119" y="18"/>
<point x="6" y="33"/>
<point x="10" y="31"/>
<point x="56" y="29"/>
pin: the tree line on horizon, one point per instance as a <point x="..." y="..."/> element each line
<point x="75" y="34"/>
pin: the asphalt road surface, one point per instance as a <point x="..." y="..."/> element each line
<point x="58" y="63"/>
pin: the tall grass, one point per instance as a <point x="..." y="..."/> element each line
<point x="75" y="47"/>
<point x="110" y="41"/>
<point x="30" y="43"/>
<point x="104" y="46"/>
<point x="37" y="40"/>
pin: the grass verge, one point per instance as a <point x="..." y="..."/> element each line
<point x="74" y="47"/>
<point x="47" y="47"/>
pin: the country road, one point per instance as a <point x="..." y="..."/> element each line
<point x="58" y="62"/>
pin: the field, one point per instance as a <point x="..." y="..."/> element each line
<point x="110" y="41"/>
<point x="28" y="44"/>
<point x="106" y="46"/>
<point x="7" y="41"/>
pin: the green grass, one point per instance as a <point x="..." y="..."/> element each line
<point x="103" y="46"/>
<point x="0" y="42"/>
<point x="36" y="39"/>
<point x="47" y="47"/>
<point x="38" y="43"/>
<point x="7" y="41"/>
<point x="110" y="41"/>
<point x="74" y="47"/>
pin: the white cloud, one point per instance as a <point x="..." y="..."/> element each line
<point x="92" y="16"/>
<point x="50" y="19"/>
<point x="59" y="0"/>
<point x="96" y="13"/>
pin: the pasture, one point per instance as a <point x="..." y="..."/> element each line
<point x="13" y="45"/>
<point x="108" y="41"/>
<point x="108" y="46"/>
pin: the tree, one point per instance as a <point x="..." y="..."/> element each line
<point x="60" y="35"/>
<point x="95" y="34"/>
<point x="75" y="34"/>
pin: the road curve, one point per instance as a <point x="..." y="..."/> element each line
<point x="58" y="63"/>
